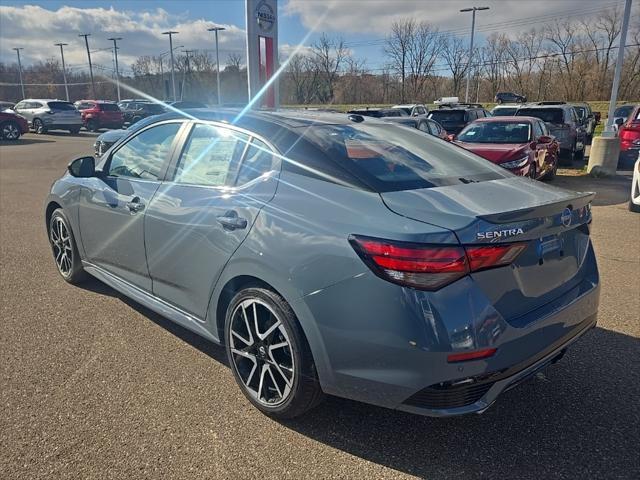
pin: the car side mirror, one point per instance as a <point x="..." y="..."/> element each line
<point x="619" y="121"/>
<point x="597" y="116"/>
<point x="83" y="167"/>
<point x="544" y="139"/>
<point x="451" y="137"/>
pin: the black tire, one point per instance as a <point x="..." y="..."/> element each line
<point x="74" y="131"/>
<point x="71" y="270"/>
<point x="10" y="131"/>
<point x="533" y="172"/>
<point x="578" y="154"/>
<point x="92" y="125"/>
<point x="38" y="126"/>
<point x="633" y="207"/>
<point x="304" y="392"/>
<point x="552" y="174"/>
<point x="135" y="119"/>
<point x="499" y="101"/>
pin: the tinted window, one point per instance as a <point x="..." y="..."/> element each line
<point x="537" y="129"/>
<point x="257" y="160"/>
<point x="496" y="132"/>
<point x="209" y="154"/>
<point x="390" y="158"/>
<point x="623" y="111"/>
<point x="551" y="115"/>
<point x="144" y="155"/>
<point x="435" y="128"/>
<point x="422" y="110"/>
<point x="61" y="106"/>
<point x="502" y="111"/>
<point x="153" y="108"/>
<point x="109" y="107"/>
<point x="448" y="116"/>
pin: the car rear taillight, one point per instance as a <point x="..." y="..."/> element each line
<point x="466" y="356"/>
<point x="428" y="266"/>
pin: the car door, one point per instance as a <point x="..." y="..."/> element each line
<point x="203" y="212"/>
<point x="112" y="207"/>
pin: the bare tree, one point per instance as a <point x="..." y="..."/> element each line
<point x="329" y="54"/>
<point x="455" y="54"/>
<point x="397" y="49"/>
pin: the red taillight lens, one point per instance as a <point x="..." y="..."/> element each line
<point x="426" y="266"/>
<point x="489" y="256"/>
<point x="466" y="356"/>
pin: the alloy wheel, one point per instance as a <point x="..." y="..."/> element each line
<point x="61" y="245"/>
<point x="10" y="131"/>
<point x="38" y="126"/>
<point x="261" y="352"/>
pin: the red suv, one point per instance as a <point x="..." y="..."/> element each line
<point x="12" y="125"/>
<point x="629" y="133"/>
<point x="98" y="114"/>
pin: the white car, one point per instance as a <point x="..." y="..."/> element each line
<point x="634" y="201"/>
<point x="446" y="100"/>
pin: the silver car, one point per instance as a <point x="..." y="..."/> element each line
<point x="44" y="115"/>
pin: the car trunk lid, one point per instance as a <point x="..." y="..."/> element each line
<point x="553" y="223"/>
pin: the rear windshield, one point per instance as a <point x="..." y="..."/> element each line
<point x="390" y="158"/>
<point x="496" y="132"/>
<point x="109" y="107"/>
<point x="61" y="106"/>
<point x="549" y="115"/>
<point x="502" y="112"/>
<point x="448" y="116"/>
<point x="624" y="111"/>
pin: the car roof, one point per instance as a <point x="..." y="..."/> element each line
<point x="408" y="105"/>
<point x="507" y="105"/>
<point x="43" y="100"/>
<point x="508" y="118"/>
<point x="562" y="106"/>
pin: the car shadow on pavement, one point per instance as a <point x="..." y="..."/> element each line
<point x="609" y="191"/>
<point x="577" y="419"/>
<point x="25" y="141"/>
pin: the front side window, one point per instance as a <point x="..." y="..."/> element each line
<point x="61" y="106"/>
<point x="549" y="115"/>
<point x="144" y="155"/>
<point x="537" y="131"/>
<point x="496" y="132"/>
<point x="209" y="155"/>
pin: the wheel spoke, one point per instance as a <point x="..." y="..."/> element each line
<point x="246" y="323"/>
<point x="241" y="338"/>
<point x="275" y="384"/>
<point x="270" y="330"/>
<point x="279" y="370"/>
<point x="278" y="345"/>
<point x="261" y="384"/>
<point x="253" y="370"/>
<point x="244" y="354"/>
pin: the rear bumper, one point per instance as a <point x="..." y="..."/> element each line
<point x="387" y="345"/>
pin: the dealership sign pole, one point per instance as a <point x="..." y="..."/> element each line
<point x="115" y="53"/>
<point x="216" y="30"/>
<point x="473" y="28"/>
<point x="93" y="84"/>
<point x="262" y="51"/>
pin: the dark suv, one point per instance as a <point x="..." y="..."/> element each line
<point x="589" y="118"/>
<point x="455" y="117"/>
<point x="510" y="97"/>
<point x="135" y="110"/>
<point x="563" y="123"/>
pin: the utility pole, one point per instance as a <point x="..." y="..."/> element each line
<point x="17" y="49"/>
<point x="473" y="27"/>
<point x="93" y="83"/>
<point x="115" y="52"/>
<point x="64" y="73"/>
<point x="216" y="30"/>
<point x="608" y="129"/>
<point x="173" y="75"/>
<point x="187" y="71"/>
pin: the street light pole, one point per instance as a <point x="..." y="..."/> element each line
<point x="616" y="76"/>
<point x="216" y="30"/>
<point x="93" y="84"/>
<point x="115" y="52"/>
<point x="473" y="27"/>
<point x="17" y="49"/>
<point x="64" y="73"/>
<point x="164" y="90"/>
<point x="173" y="75"/>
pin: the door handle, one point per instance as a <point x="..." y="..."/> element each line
<point x="135" y="205"/>
<point x="231" y="221"/>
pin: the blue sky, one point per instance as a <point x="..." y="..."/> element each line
<point x="359" y="22"/>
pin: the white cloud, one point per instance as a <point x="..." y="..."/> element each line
<point x="374" y="17"/>
<point x="36" y="29"/>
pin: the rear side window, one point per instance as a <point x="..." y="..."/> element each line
<point x="61" y="106"/>
<point x="550" y="115"/>
<point x="209" y="155"/>
<point x="388" y="158"/>
<point x="109" y="107"/>
<point x="257" y="160"/>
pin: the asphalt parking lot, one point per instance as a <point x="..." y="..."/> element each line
<point x="93" y="385"/>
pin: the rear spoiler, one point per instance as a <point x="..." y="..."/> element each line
<point x="546" y="210"/>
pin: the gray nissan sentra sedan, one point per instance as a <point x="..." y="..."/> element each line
<point x="334" y="254"/>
